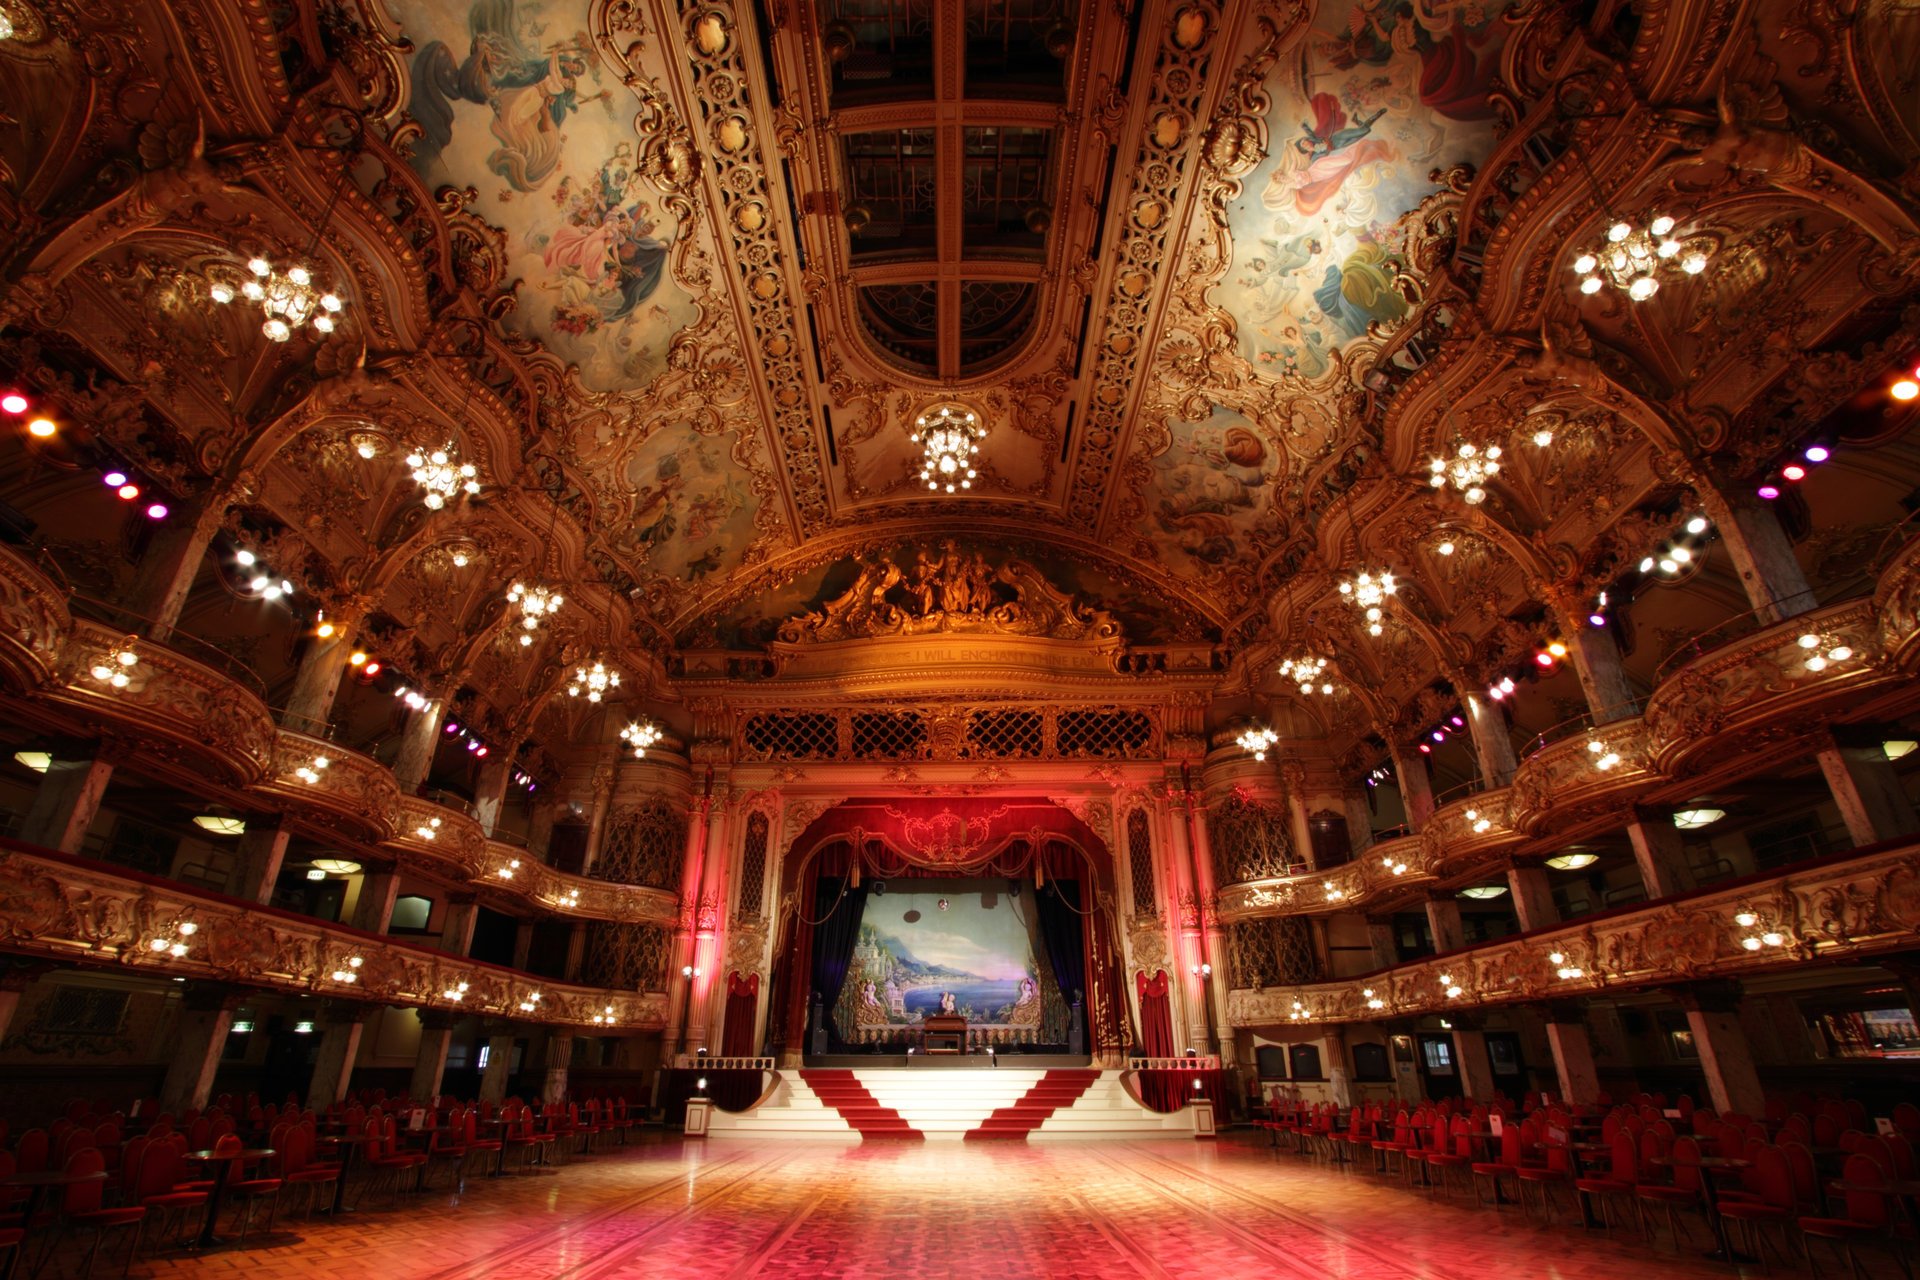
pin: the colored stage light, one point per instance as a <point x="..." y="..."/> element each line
<point x="128" y="492"/>
<point x="1818" y="453"/>
<point x="1769" y="492"/>
<point x="1794" y="471"/>
<point x="114" y="479"/>
<point x="157" y="511"/>
<point x="13" y="402"/>
<point x="41" y="428"/>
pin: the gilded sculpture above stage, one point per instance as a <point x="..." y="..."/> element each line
<point x="949" y="592"/>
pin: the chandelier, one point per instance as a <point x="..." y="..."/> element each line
<point x="641" y="734"/>
<point x="1634" y="257"/>
<point x="537" y="605"/>
<point x="949" y="435"/>
<point x="1370" y="591"/>
<point x="1306" y="673"/>
<point x="114" y="667"/>
<point x="1257" y="740"/>
<point x="310" y="772"/>
<point x="290" y="298"/>
<point x="441" y="476"/>
<point x="1468" y="470"/>
<point x="593" y="681"/>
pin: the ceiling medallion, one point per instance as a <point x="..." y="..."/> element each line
<point x="949" y="436"/>
<point x="442" y="475"/>
<point x="290" y="298"/>
<point x="593" y="681"/>
<point x="1633" y="257"/>
<point x="1370" y="591"/>
<point x="1469" y="470"/>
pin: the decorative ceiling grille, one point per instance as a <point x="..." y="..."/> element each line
<point x="1006" y="735"/>
<point x="1140" y="864"/>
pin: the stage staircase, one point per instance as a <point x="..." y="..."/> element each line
<point x="895" y="1102"/>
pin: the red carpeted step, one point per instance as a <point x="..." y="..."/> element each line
<point x="1050" y="1093"/>
<point x="845" y="1094"/>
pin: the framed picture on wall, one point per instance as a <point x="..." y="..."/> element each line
<point x="1680" y="1044"/>
<point x="1403" y="1050"/>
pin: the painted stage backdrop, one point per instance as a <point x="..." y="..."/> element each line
<point x="952" y="940"/>
<point x="514" y="102"/>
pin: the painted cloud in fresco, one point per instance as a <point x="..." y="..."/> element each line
<point x="1379" y="95"/>
<point x="1213" y="488"/>
<point x="515" y="103"/>
<point x="694" y="511"/>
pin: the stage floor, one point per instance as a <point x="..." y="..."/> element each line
<point x="1174" y="1208"/>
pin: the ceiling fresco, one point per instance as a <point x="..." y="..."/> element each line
<point x="1214" y="496"/>
<point x="513" y="101"/>
<point x="1376" y="98"/>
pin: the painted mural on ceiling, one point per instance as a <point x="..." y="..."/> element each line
<point x="1377" y="97"/>
<point x="692" y="511"/>
<point x="514" y="102"/>
<point x="1211" y="504"/>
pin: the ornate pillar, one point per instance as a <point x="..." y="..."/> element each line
<point x="490" y="791"/>
<point x="1188" y="920"/>
<point x="419" y="740"/>
<point x="1415" y="783"/>
<point x="559" y="1058"/>
<point x="1359" y="818"/>
<point x="605" y="775"/>
<point x="1572" y="1049"/>
<point x="67" y="801"/>
<point x="1867" y="791"/>
<point x="1533" y="903"/>
<point x="1333" y="1059"/>
<point x="1596" y="661"/>
<point x="692" y="874"/>
<point x="457" y="924"/>
<point x="1492" y="744"/>
<point x="316" y="681"/>
<point x="257" y="860"/>
<point x="1725" y="1056"/>
<point x="1660" y="855"/>
<point x="1443" y="920"/>
<point x="1769" y="571"/>
<point x="342" y="1026"/>
<point x="199" y="1036"/>
<point x="709" y="923"/>
<point x="1470" y="1056"/>
<point x="430" y="1064"/>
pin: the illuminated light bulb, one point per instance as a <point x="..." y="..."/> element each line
<point x="1661" y="225"/>
<point x="1642" y="288"/>
<point x="1769" y="492"/>
<point x="1669" y="565"/>
<point x="157" y="511"/>
<point x="357" y="658"/>
<point x="1906" y="389"/>
<point x="13" y="402"/>
<point x="1840" y="653"/>
<point x="1646" y="564"/>
<point x="1751" y="944"/>
<point x="1584" y="264"/>
<point x="324" y="630"/>
<point x="1697" y="525"/>
<point x="1771" y="938"/>
<point x="128" y="492"/>
<point x="1808" y="641"/>
<point x="1817" y="453"/>
<point x="41" y="427"/>
<point x="1693" y="263"/>
<point x="1619" y="231"/>
<point x="1445" y="548"/>
<point x="1680" y="555"/>
<point x="1794" y="471"/>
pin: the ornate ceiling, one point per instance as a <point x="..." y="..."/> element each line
<point x="1218" y="277"/>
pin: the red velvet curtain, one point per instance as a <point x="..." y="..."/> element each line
<point x="1158" y="1089"/>
<point x="743" y="1001"/>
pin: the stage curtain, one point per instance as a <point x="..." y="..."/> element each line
<point x="1157" y="1088"/>
<point x="833" y="943"/>
<point x="1057" y="911"/>
<point x="743" y="999"/>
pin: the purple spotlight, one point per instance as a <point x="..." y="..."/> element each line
<point x="1817" y="453"/>
<point x="1458" y="723"/>
<point x="1439" y="735"/>
<point x="158" y="511"/>
<point x="114" y="479"/>
<point x="453" y="726"/>
<point x="1597" y="619"/>
<point x="1768" y="491"/>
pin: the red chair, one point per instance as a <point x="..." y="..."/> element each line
<point x="81" y="1208"/>
<point x="474" y="1142"/>
<point x="449" y="1145"/>
<point x="1513" y="1146"/>
<point x="1864" y="1200"/>
<point x="250" y="1189"/>
<point x="1452" y="1149"/>
<point x="1618" y="1183"/>
<point x="30" y="1156"/>
<point x="158" y="1188"/>
<point x="1400" y="1144"/>
<point x="383" y="1157"/>
<point x="1557" y="1171"/>
<point x="1771" y="1181"/>
<point x="299" y="1169"/>
<point x="1683" y="1192"/>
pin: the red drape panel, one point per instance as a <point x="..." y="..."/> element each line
<point x="743" y="1000"/>
<point x="1157" y="1088"/>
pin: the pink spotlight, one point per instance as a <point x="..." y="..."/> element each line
<point x="13" y="402"/>
<point x="1794" y="471"/>
<point x="158" y="511"/>
<point x="1768" y="491"/>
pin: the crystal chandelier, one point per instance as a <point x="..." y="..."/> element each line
<point x="641" y="734"/>
<point x="1468" y="471"/>
<point x="537" y="605"/>
<point x="949" y="435"/>
<point x="1306" y="673"/>
<point x="441" y="475"/>
<point x="1370" y="591"/>
<point x="290" y="298"/>
<point x="1257" y="740"/>
<point x="593" y="681"/>
<point x="1633" y="257"/>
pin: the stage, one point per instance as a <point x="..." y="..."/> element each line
<point x="950" y="1061"/>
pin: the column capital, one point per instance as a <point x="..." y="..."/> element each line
<point x="438" y="1019"/>
<point x="1719" y="995"/>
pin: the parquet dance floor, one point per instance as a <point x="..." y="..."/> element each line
<point x="668" y="1208"/>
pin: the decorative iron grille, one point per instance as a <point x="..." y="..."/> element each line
<point x="1250" y="840"/>
<point x="1140" y="862"/>
<point x="643" y="845"/>
<point x="889" y="735"/>
<point x="1272" y="953"/>
<point x="626" y="957"/>
<point x="753" y="868"/>
<point x="1104" y="735"/>
<point x="806" y="735"/>
<point x="1006" y="735"/>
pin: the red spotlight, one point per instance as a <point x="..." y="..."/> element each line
<point x="1794" y="471"/>
<point x="13" y="402"/>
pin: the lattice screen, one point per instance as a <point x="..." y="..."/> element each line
<point x="1271" y="953"/>
<point x="753" y="868"/>
<point x="889" y="735"/>
<point x="1250" y="840"/>
<point x="810" y="735"/>
<point x="643" y="845"/>
<point x="1140" y="862"/>
<point x="1006" y="735"/>
<point x="1104" y="734"/>
<point x="626" y="957"/>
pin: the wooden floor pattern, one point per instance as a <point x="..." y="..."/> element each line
<point x="665" y="1207"/>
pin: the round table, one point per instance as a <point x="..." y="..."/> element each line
<point x="223" y="1162"/>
